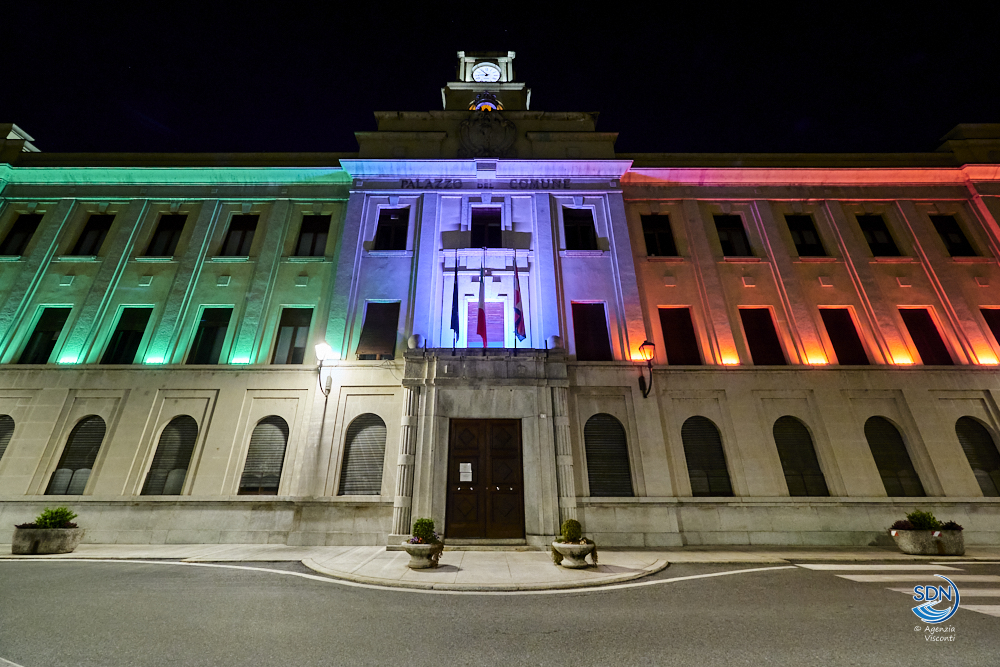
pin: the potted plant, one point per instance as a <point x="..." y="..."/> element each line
<point x="425" y="546"/>
<point x="53" y="532"/>
<point x="920" y="533"/>
<point x="571" y="548"/>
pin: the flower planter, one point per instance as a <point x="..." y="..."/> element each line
<point x="423" y="556"/>
<point x="929" y="542"/>
<point x="32" y="541"/>
<point x="573" y="554"/>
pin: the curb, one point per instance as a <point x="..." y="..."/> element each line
<point x="656" y="566"/>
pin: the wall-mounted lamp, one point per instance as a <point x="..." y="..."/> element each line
<point x="646" y="350"/>
<point x="325" y="353"/>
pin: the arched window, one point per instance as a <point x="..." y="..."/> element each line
<point x="893" y="461"/>
<point x="265" y="457"/>
<point x="172" y="458"/>
<point x="608" y="468"/>
<point x="981" y="450"/>
<point x="6" y="431"/>
<point x="364" y="453"/>
<point x="78" y="458"/>
<point x="798" y="458"/>
<point x="706" y="461"/>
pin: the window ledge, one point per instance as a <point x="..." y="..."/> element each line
<point x="671" y="258"/>
<point x="818" y="259"/>
<point x="390" y="253"/>
<point x="152" y="260"/>
<point x="295" y="259"/>
<point x="76" y="258"/>
<point x="973" y="260"/>
<point x="10" y="258"/>
<point x="229" y="258"/>
<point x="582" y="253"/>
<point x="892" y="260"/>
<point x="741" y="260"/>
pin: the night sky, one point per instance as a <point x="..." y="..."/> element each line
<point x="273" y="77"/>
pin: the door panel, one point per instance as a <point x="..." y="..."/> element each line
<point x="485" y="488"/>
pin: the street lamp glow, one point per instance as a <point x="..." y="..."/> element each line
<point x="324" y="352"/>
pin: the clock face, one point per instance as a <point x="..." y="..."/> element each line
<point x="486" y="73"/>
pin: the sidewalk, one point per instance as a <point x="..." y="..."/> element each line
<point x="487" y="570"/>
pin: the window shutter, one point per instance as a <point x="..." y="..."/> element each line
<point x="893" y="461"/>
<point x="679" y="337"/>
<point x="378" y="335"/>
<point x="926" y="337"/>
<point x="172" y="458"/>
<point x="798" y="458"/>
<point x="6" y="431"/>
<point x="364" y="454"/>
<point x="78" y="457"/>
<point x="706" y="460"/>
<point x="981" y="450"/>
<point x="844" y="337"/>
<point x="762" y="339"/>
<point x="265" y="457"/>
<point x="608" y="467"/>
<point x="590" y="332"/>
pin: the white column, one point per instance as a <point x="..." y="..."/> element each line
<point x="564" y="454"/>
<point x="404" y="466"/>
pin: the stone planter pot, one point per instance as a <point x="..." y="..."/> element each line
<point x="930" y="542"/>
<point x="423" y="556"/>
<point x="32" y="541"/>
<point x="573" y="554"/>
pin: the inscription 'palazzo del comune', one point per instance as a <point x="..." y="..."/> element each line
<point x="488" y="317"/>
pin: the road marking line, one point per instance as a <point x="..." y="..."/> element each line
<point x="8" y="662"/>
<point x="965" y="592"/>
<point x="968" y="562"/>
<point x="988" y="609"/>
<point x="991" y="578"/>
<point x="342" y="582"/>
<point x="826" y="566"/>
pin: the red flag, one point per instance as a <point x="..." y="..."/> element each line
<point x="481" y="320"/>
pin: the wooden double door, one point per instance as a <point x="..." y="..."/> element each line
<point x="485" y="480"/>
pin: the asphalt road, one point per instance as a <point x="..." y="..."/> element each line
<point x="95" y="613"/>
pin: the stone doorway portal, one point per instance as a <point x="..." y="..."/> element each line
<point x="485" y="485"/>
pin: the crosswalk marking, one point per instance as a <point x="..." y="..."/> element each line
<point x="964" y="592"/>
<point x="876" y="578"/>
<point x="988" y="609"/>
<point x="886" y="567"/>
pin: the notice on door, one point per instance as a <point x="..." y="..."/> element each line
<point x="465" y="472"/>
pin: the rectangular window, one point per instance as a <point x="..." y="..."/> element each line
<point x="312" y="236"/>
<point x="125" y="340"/>
<point x="578" y="224"/>
<point x="211" y="334"/>
<point x="20" y="234"/>
<point x="393" y="225"/>
<point x="167" y="234"/>
<point x="732" y="236"/>
<point x="239" y="238"/>
<point x="378" y="335"/>
<point x="877" y="235"/>
<point x="926" y="337"/>
<point x="844" y="336"/>
<point x="92" y="238"/>
<point x="804" y="236"/>
<point x="762" y="338"/>
<point x="494" y="324"/>
<point x="293" y="335"/>
<point x="485" y="227"/>
<point x="992" y="317"/>
<point x="590" y="332"/>
<point x="954" y="239"/>
<point x="659" y="237"/>
<point x="679" y="338"/>
<point x="43" y="338"/>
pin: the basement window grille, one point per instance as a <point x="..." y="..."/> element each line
<point x="364" y="455"/>
<point x="78" y="457"/>
<point x="705" y="457"/>
<point x="173" y="458"/>
<point x="265" y="458"/>
<point x="892" y="460"/>
<point x="608" y="468"/>
<point x="803" y="475"/>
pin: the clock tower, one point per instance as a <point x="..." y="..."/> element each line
<point x="485" y="80"/>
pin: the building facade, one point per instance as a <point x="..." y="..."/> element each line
<point x="287" y="348"/>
